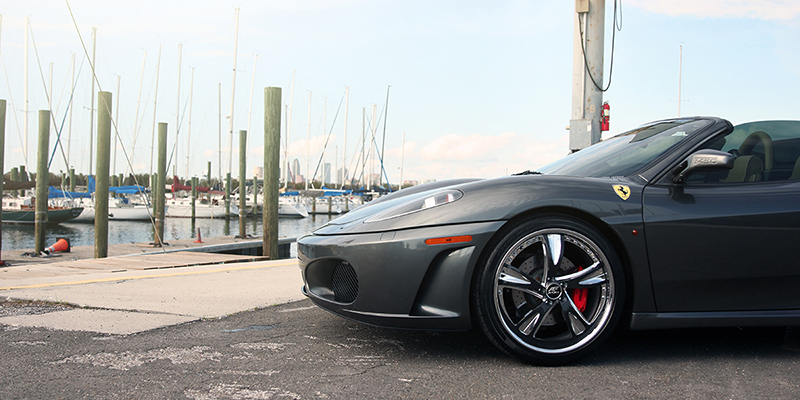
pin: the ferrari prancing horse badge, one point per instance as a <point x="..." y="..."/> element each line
<point x="622" y="191"/>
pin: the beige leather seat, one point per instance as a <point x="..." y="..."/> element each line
<point x="796" y="170"/>
<point x="745" y="169"/>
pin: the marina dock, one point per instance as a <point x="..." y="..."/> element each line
<point x="138" y="288"/>
<point x="214" y="250"/>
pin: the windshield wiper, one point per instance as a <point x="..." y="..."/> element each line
<point x="527" y="172"/>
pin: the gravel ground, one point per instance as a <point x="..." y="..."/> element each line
<point x="10" y="307"/>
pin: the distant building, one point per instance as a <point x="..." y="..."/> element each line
<point x="326" y="173"/>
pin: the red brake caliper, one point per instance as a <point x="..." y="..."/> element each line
<point x="579" y="296"/>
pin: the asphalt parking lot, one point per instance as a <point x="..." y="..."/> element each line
<point x="298" y="351"/>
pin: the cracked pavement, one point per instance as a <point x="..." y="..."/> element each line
<point x="299" y="351"/>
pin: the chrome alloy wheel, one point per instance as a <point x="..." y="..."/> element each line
<point x="554" y="291"/>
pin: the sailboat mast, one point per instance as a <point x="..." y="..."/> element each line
<point x="289" y="133"/>
<point x="116" y="123"/>
<point x="402" y="159"/>
<point x="286" y="148"/>
<point x="372" y="129"/>
<point x="324" y="133"/>
<point x="69" y="129"/>
<point x="91" y="106"/>
<point x="233" y="90"/>
<point x="25" y="100"/>
<point x="136" y="125"/>
<point x="189" y="131"/>
<point x="177" y="106"/>
<point x="308" y="139"/>
<point x="219" y="133"/>
<point x="50" y="92"/>
<point x="344" y="149"/>
<point x="361" y="158"/>
<point x="680" y="71"/>
<point x="155" y="102"/>
<point x="252" y="86"/>
<point x="383" y="141"/>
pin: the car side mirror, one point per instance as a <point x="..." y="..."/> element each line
<point x="703" y="161"/>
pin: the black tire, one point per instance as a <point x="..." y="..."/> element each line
<point x="555" y="315"/>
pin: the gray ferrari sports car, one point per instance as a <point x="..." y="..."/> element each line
<point x="687" y="222"/>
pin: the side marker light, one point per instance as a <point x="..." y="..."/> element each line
<point x="448" y="240"/>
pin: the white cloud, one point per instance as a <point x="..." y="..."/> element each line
<point x="475" y="148"/>
<point x="755" y="9"/>
<point x="477" y="156"/>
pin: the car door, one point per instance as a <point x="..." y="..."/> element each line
<point x="728" y="242"/>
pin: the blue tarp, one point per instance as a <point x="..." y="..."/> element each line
<point x="54" y="193"/>
<point x="131" y="189"/>
<point x="128" y="189"/>
<point x="335" y="192"/>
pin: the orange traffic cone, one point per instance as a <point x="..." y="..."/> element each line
<point x="199" y="238"/>
<point x="62" y="244"/>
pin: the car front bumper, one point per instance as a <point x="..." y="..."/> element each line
<point x="395" y="279"/>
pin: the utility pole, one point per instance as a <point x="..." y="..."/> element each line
<point x="587" y="74"/>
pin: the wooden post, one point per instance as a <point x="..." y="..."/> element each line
<point x="228" y="196"/>
<point x="194" y="198"/>
<point x="42" y="178"/>
<point x="255" y="195"/>
<point x="208" y="183"/>
<point x="242" y="183"/>
<point x="2" y="162"/>
<point x="102" y="175"/>
<point x="161" y="173"/>
<point x="15" y="177"/>
<point x="272" y="141"/>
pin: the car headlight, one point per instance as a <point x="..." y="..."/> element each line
<point x="425" y="202"/>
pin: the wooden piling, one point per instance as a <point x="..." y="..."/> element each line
<point x="102" y="175"/>
<point x="208" y="183"/>
<point x="42" y="178"/>
<point x="161" y="174"/>
<point x="228" y="196"/>
<point x="2" y="161"/>
<point x="194" y="199"/>
<point x="242" y="183"/>
<point x="272" y="141"/>
<point x="15" y="177"/>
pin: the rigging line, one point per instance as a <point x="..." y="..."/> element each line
<point x="60" y="129"/>
<point x="374" y="140"/>
<point x="383" y="167"/>
<point x="11" y="99"/>
<point x="353" y="161"/>
<point x="57" y="145"/>
<point x="325" y="146"/>
<point x="140" y="123"/>
<point x="113" y="122"/>
<point x="613" y="40"/>
<point x="180" y="122"/>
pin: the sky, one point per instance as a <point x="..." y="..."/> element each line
<point x="474" y="88"/>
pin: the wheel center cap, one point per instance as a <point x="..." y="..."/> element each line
<point x="554" y="291"/>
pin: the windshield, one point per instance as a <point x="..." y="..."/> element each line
<point x="626" y="153"/>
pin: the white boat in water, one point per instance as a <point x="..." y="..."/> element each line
<point x="181" y="207"/>
<point x="291" y="207"/>
<point x="119" y="209"/>
<point x="22" y="210"/>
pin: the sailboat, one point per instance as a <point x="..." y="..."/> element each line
<point x="210" y="204"/>
<point x="22" y="210"/>
<point x="129" y="203"/>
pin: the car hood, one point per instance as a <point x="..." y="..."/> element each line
<point x="492" y="200"/>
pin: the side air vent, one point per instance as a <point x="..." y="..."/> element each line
<point x="344" y="283"/>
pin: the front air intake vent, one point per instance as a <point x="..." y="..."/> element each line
<point x="344" y="283"/>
